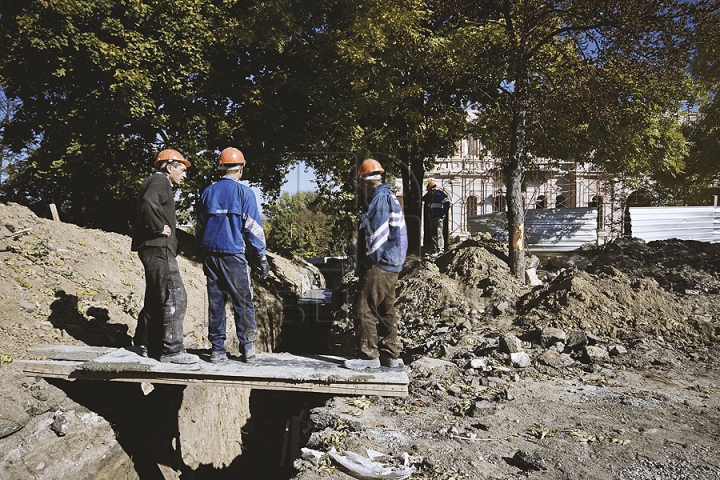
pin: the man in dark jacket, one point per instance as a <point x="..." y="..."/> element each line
<point x="436" y="206"/>
<point x="229" y="225"/>
<point x="160" y="324"/>
<point x="382" y="247"/>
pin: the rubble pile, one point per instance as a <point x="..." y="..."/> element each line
<point x="483" y="350"/>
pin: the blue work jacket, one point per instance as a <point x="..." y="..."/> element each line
<point x="436" y="204"/>
<point x="382" y="234"/>
<point x="228" y="220"/>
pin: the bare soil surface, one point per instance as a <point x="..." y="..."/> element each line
<point x="608" y="370"/>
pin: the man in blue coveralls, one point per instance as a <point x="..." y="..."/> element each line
<point x="228" y="226"/>
<point x="436" y="208"/>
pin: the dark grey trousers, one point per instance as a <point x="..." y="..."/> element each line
<point x="160" y="322"/>
<point x="375" y="317"/>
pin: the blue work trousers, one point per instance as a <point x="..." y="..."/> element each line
<point x="160" y="322"/>
<point x="228" y="277"/>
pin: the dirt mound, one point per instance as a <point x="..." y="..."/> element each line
<point x="69" y="285"/>
<point x="609" y="369"/>
<point x="631" y="290"/>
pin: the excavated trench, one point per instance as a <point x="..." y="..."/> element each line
<point x="147" y="428"/>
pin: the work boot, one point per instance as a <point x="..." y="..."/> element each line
<point x="182" y="358"/>
<point x="392" y="362"/>
<point x="142" y="351"/>
<point x="218" y="357"/>
<point x="360" y="364"/>
<point x="249" y="354"/>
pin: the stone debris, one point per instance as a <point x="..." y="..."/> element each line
<point x="528" y="460"/>
<point x="472" y="332"/>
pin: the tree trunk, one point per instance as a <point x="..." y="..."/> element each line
<point x="412" y="195"/>
<point x="513" y="180"/>
<point x="516" y="217"/>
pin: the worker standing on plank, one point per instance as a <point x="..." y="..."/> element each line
<point x="160" y="323"/>
<point x="382" y="247"/>
<point x="228" y="225"/>
<point x="436" y="206"/>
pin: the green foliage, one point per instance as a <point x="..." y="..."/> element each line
<point x="297" y="223"/>
<point x="96" y="88"/>
<point x="583" y="80"/>
<point x="102" y="86"/>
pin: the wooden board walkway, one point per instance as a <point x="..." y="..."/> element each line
<point x="270" y="371"/>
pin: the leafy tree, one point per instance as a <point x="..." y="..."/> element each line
<point x="102" y="87"/>
<point x="704" y="130"/>
<point x="295" y="223"/>
<point x="369" y="78"/>
<point x="587" y="80"/>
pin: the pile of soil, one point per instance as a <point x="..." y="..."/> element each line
<point x="609" y="369"/>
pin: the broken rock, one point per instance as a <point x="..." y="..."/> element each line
<point x="509" y="343"/>
<point x="520" y="360"/>
<point x="595" y="355"/>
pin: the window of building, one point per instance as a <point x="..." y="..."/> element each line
<point x="541" y="202"/>
<point x="499" y="203"/>
<point x="471" y="207"/>
<point x="560" y="201"/>
<point x="597" y="202"/>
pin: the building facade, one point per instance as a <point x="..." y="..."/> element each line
<point x="473" y="181"/>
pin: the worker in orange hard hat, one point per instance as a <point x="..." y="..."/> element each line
<point x="436" y="206"/>
<point x="159" y="333"/>
<point x="228" y="229"/>
<point x="382" y="247"/>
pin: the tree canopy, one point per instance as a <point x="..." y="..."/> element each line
<point x="583" y="80"/>
<point x="98" y="87"/>
<point x="297" y="223"/>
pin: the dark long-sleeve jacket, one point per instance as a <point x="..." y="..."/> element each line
<point x="155" y="209"/>
<point x="437" y="204"/>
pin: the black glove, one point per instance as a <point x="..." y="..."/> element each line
<point x="264" y="269"/>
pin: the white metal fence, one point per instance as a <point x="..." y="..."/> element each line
<point x="547" y="230"/>
<point x="553" y="231"/>
<point x="684" y="223"/>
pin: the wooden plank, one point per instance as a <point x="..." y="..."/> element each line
<point x="68" y="352"/>
<point x="306" y="373"/>
<point x="47" y="368"/>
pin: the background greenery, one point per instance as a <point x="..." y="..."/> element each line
<point x="92" y="89"/>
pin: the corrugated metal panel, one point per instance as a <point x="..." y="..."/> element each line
<point x="684" y="223"/>
<point x="547" y="231"/>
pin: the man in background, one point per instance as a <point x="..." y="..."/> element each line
<point x="436" y="206"/>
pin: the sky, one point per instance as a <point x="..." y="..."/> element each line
<point x="297" y="180"/>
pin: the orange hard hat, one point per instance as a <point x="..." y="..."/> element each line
<point x="170" y="155"/>
<point x="431" y="185"/>
<point x="369" y="167"/>
<point x="231" y="156"/>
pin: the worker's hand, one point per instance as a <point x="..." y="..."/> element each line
<point x="166" y="231"/>
<point x="263" y="269"/>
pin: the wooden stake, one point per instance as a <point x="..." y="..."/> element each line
<point x="53" y="210"/>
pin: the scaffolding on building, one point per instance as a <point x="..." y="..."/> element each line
<point x="473" y="181"/>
